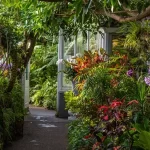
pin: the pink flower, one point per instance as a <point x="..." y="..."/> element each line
<point x="105" y="117"/>
<point x="147" y="80"/>
<point x="130" y="73"/>
<point x="117" y="116"/>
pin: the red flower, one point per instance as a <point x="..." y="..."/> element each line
<point x="87" y="136"/>
<point x="104" y="108"/>
<point x="115" y="104"/>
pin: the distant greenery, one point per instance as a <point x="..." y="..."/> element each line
<point x="43" y="76"/>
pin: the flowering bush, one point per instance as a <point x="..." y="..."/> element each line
<point x="5" y="68"/>
<point x="113" y="98"/>
<point x="114" y="125"/>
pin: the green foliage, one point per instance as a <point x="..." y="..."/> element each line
<point x="72" y="101"/>
<point x="10" y="116"/>
<point x="137" y="41"/>
<point x="18" y="102"/>
<point x="9" y="120"/>
<point x="120" y="99"/>
<point x="43" y="63"/>
<point x="124" y="88"/>
<point x="43" y="77"/>
<point x="43" y="17"/>
<point x="143" y="140"/>
<point x="70" y="73"/>
<point x="76" y="132"/>
<point x="81" y="106"/>
<point x="46" y="94"/>
<point x="97" y="85"/>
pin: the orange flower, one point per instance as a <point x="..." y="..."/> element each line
<point x="114" y="82"/>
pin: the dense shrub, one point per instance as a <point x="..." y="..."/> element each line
<point x="45" y="94"/>
<point x="11" y="112"/>
<point x="78" y="130"/>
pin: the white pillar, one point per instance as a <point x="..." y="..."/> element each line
<point x="106" y="38"/>
<point x="75" y="45"/>
<point x="60" y="57"/>
<point x="61" y="111"/>
<point x="26" y="86"/>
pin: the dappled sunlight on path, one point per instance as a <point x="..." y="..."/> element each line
<point x="42" y="131"/>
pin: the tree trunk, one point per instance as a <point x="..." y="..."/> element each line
<point x="31" y="41"/>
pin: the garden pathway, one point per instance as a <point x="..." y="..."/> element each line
<point x="42" y="131"/>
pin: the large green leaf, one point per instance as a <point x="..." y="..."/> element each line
<point x="143" y="141"/>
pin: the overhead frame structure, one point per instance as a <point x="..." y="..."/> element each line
<point x="103" y="41"/>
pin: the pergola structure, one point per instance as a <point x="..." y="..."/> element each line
<point x="103" y="40"/>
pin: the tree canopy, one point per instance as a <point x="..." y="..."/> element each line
<point x="72" y="15"/>
<point x="93" y="14"/>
